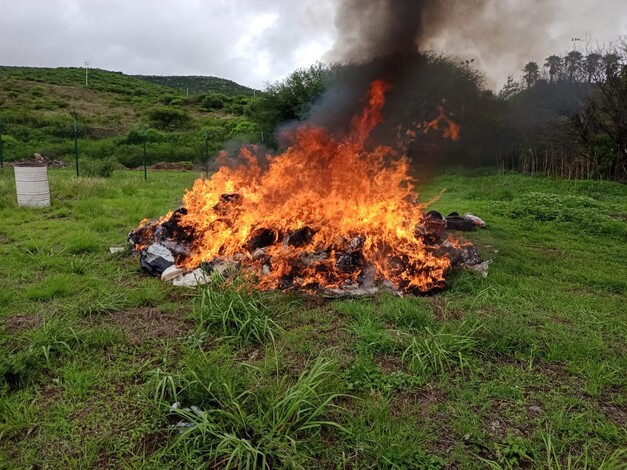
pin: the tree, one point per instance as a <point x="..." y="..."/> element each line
<point x="554" y="64"/>
<point x="602" y="123"/>
<point x="611" y="62"/>
<point x="593" y="64"/>
<point x="572" y="61"/>
<point x="510" y="89"/>
<point x="531" y="73"/>
<point x="290" y="99"/>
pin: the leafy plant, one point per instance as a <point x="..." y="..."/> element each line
<point x="366" y="376"/>
<point x="257" y="428"/>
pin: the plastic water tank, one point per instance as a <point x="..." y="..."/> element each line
<point x="31" y="183"/>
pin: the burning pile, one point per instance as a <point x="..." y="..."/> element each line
<point x="330" y="214"/>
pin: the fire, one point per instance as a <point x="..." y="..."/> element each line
<point x="328" y="212"/>
<point x="449" y="129"/>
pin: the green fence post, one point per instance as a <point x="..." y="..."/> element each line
<point x="206" y="153"/>
<point x="1" y="145"/>
<point x="145" y="150"/>
<point x="76" y="147"/>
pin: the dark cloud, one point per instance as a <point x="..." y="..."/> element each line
<point x="253" y="42"/>
<point x="499" y="35"/>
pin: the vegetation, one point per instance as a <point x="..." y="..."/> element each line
<point x="575" y="114"/>
<point x="523" y="368"/>
<point x="102" y="366"/>
<point x="567" y="119"/>
<point x="115" y="113"/>
<point x="198" y="85"/>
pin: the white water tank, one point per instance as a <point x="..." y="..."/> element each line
<point x="31" y="183"/>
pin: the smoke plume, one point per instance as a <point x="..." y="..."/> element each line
<point x="500" y="36"/>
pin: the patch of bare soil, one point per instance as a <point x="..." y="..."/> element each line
<point x="418" y="401"/>
<point x="146" y="324"/>
<point x="18" y="323"/>
<point x="388" y="364"/>
<point x="438" y="304"/>
<point x="172" y="166"/>
<point x="613" y="411"/>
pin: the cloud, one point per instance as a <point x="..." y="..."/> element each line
<point x="253" y="42"/>
<point x="247" y="41"/>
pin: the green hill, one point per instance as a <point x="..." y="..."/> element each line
<point x="115" y="113"/>
<point x="97" y="79"/>
<point x="199" y="84"/>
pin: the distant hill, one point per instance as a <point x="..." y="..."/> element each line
<point x="98" y="80"/>
<point x="199" y="84"/>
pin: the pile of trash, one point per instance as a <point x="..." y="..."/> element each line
<point x="38" y="160"/>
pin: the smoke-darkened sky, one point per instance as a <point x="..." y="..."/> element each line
<point x="254" y="42"/>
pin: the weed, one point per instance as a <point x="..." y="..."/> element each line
<point x="255" y="428"/>
<point x="363" y="375"/>
<point x="35" y="350"/>
<point x="436" y="351"/>
<point x="237" y="311"/>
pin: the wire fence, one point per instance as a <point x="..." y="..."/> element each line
<point x="143" y="144"/>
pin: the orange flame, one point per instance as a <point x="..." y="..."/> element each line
<point x="449" y="129"/>
<point x="354" y="203"/>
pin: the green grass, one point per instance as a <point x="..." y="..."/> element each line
<point x="522" y="369"/>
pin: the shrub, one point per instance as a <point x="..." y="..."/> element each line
<point x="166" y="118"/>
<point x="37" y="91"/>
<point x="98" y="168"/>
<point x="213" y="101"/>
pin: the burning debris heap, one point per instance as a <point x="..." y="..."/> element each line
<point x="329" y="215"/>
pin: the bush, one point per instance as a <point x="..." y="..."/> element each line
<point x="37" y="91"/>
<point x="166" y="118"/>
<point x="98" y="168"/>
<point x="213" y="101"/>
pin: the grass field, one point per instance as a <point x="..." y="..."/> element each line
<point x="522" y="369"/>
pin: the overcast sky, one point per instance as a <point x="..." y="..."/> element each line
<point x="253" y="41"/>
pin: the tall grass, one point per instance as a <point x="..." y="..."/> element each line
<point x="238" y="312"/>
<point x="261" y="426"/>
<point x="435" y="352"/>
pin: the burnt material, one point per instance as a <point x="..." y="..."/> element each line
<point x="350" y="262"/>
<point x="300" y="237"/>
<point x="261" y="238"/>
<point x="456" y="222"/>
<point x="431" y="229"/>
<point x="470" y="255"/>
<point x="226" y="202"/>
<point x="172" y="228"/>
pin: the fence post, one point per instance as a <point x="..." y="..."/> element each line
<point x="206" y="153"/>
<point x="1" y="145"/>
<point x="76" y="146"/>
<point x="145" y="149"/>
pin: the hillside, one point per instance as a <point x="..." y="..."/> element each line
<point x="97" y="79"/>
<point x="115" y="113"/>
<point x="199" y="84"/>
